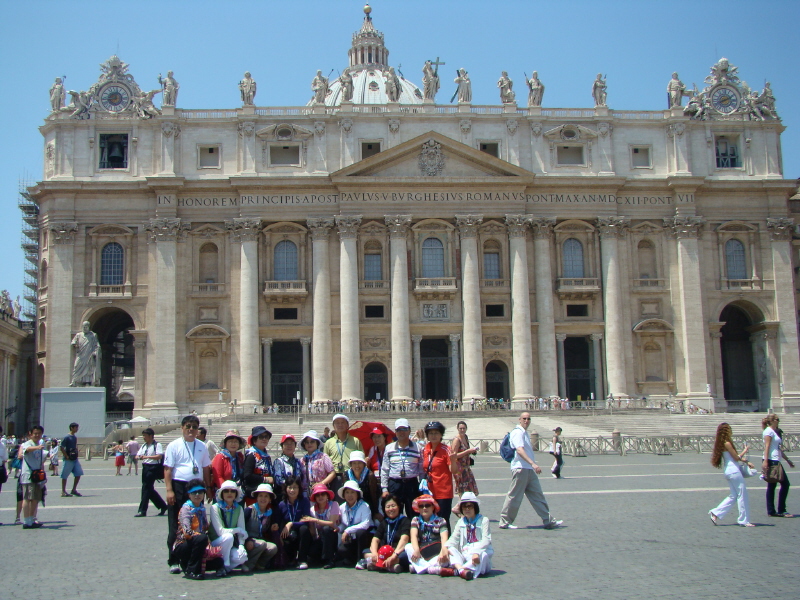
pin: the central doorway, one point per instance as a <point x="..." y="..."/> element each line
<point x="496" y="380"/>
<point x="435" y="363"/>
<point x="376" y="382"/>
<point x="579" y="372"/>
<point x="287" y="372"/>
<point x="117" y="362"/>
<point x="738" y="367"/>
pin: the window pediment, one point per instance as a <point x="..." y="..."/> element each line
<point x="284" y="132"/>
<point x="208" y="331"/>
<point x="570" y="133"/>
<point x="111" y="230"/>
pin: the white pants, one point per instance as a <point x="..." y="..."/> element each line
<point x="738" y="495"/>
<point x="464" y="559"/>
<point x="231" y="557"/>
<point x="419" y="566"/>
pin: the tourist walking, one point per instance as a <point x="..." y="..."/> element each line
<point x="151" y="455"/>
<point x="555" y="450"/>
<point x="725" y="452"/>
<point x="463" y="453"/>
<point x="525" y="480"/>
<point x="132" y="449"/>
<point x="72" y="466"/>
<point x="32" y="477"/>
<point x="773" y="452"/>
<point x="52" y="454"/>
<point x="119" y="456"/>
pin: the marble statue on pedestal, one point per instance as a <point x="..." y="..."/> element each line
<point x="599" y="90"/>
<point x="86" y="370"/>
<point x="143" y="104"/>
<point x="430" y="81"/>
<point x="17" y="308"/>
<point x="536" y="88"/>
<point x="346" y="81"/>
<point x="319" y="85"/>
<point x="170" y="88"/>
<point x="81" y="101"/>
<point x="247" y="87"/>
<point x="57" y="95"/>
<point x="676" y="91"/>
<point x="507" y="95"/>
<point x="393" y="88"/>
<point x="464" y="91"/>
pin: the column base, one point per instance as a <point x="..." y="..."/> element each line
<point x="161" y="409"/>
<point x="401" y="399"/>
<point x="249" y="403"/>
<point x="475" y="397"/>
<point x="523" y="397"/>
<point x="789" y="402"/>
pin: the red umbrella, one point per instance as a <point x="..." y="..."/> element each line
<point x="363" y="431"/>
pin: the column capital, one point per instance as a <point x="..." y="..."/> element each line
<point x="715" y="334"/>
<point x="613" y="227"/>
<point x="780" y="228"/>
<point x="685" y="226"/>
<point x="167" y="229"/>
<point x="398" y="225"/>
<point x="542" y="227"/>
<point x="305" y="341"/>
<point x="455" y="337"/>
<point x="266" y="342"/>
<point x="348" y="226"/>
<point x="243" y="229"/>
<point x="63" y="232"/>
<point x="320" y="227"/>
<point x="517" y="225"/>
<point x="596" y="337"/>
<point x="416" y="339"/>
<point x="560" y="337"/>
<point x="468" y="225"/>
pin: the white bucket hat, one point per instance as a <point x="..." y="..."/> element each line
<point x="311" y="433"/>
<point x="263" y="487"/>
<point x="358" y="455"/>
<point x="230" y="485"/>
<point x="467" y="497"/>
<point x="349" y="485"/>
<point x="340" y="416"/>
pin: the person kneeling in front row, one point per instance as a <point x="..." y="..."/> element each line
<point x="227" y="530"/>
<point x="392" y="535"/>
<point x="470" y="547"/>
<point x="356" y="521"/>
<point x="429" y="534"/>
<point x="262" y="527"/>
<point x="191" y="542"/>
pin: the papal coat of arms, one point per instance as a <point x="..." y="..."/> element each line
<point x="431" y="159"/>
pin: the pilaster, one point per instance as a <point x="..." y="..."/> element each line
<point x="471" y="300"/>
<point x="60" y="303"/>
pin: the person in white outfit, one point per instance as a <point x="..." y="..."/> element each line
<point x="725" y="456"/>
<point x="470" y="546"/>
<point x="227" y="529"/>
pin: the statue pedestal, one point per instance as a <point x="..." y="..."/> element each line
<point x="318" y="109"/>
<point x="393" y="107"/>
<point x="601" y="111"/>
<point x="346" y="106"/>
<point x="83" y="405"/>
<point x="510" y="108"/>
<point x="248" y="109"/>
<point x="168" y="111"/>
<point x="464" y="107"/>
<point x="428" y="105"/>
<point x="534" y="111"/>
<point x="676" y="111"/>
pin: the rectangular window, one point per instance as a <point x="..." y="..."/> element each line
<point x="491" y="265"/>
<point x="369" y="149"/>
<point x="373" y="311"/>
<point x="285" y="314"/>
<point x="208" y="157"/>
<point x="492" y="148"/>
<point x="640" y="157"/>
<point x="570" y="155"/>
<point x="495" y="310"/>
<point x="284" y="156"/>
<point x="727" y="152"/>
<point x="113" y="151"/>
<point x="577" y="310"/>
<point x="372" y="267"/>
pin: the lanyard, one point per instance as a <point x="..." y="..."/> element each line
<point x="351" y="512"/>
<point x="391" y="527"/>
<point x="195" y="468"/>
<point x="292" y="510"/>
<point x="340" y="449"/>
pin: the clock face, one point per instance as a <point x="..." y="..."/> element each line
<point x="115" y="98"/>
<point x="725" y="99"/>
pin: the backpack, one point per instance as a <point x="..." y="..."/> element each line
<point x="507" y="451"/>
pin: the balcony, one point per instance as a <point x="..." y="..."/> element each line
<point x="435" y="288"/>
<point x="649" y="285"/>
<point x="577" y="288"/>
<point x="495" y="285"/>
<point x="285" y="291"/>
<point x="376" y="286"/>
<point x="110" y="291"/>
<point x="742" y="284"/>
<point x="207" y="290"/>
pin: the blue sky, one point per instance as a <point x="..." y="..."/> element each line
<point x="210" y="44"/>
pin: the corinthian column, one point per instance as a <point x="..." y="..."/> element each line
<point x="520" y="307"/>
<point x="693" y="324"/>
<point x="546" y="331"/>
<point x="245" y="231"/>
<point x="471" y="300"/>
<point x="60" y="295"/>
<point x="417" y="340"/>
<point x="165" y="233"/>
<point x="348" y="296"/>
<point x="321" y="387"/>
<point x="781" y="233"/>
<point x="401" y="332"/>
<point x="611" y="229"/>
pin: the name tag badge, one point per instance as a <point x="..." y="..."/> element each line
<point x="340" y="468"/>
<point x="403" y="474"/>
<point x="195" y="470"/>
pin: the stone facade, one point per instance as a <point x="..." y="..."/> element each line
<point x="400" y="248"/>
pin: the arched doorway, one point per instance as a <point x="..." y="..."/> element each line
<point x="117" y="365"/>
<point x="376" y="381"/>
<point x="496" y="380"/>
<point x="738" y="367"/>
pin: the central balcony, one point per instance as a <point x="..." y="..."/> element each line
<point x="285" y="291"/>
<point x="435" y="288"/>
<point x="578" y="288"/>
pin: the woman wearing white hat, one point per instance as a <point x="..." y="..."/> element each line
<point x="262" y="527"/>
<point x="367" y="483"/>
<point x="317" y="466"/>
<point x="356" y="521"/>
<point x="470" y="546"/>
<point x="227" y="529"/>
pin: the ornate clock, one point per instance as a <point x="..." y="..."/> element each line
<point x="725" y="99"/>
<point x="115" y="97"/>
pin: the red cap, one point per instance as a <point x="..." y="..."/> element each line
<point x="288" y="436"/>
<point x="384" y="552"/>
<point x="377" y="430"/>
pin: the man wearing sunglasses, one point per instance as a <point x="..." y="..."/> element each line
<point x="524" y="480"/>
<point x="184" y="459"/>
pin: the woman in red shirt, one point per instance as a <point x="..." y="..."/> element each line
<point x="437" y="469"/>
<point x="228" y="463"/>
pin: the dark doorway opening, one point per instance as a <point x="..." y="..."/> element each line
<point x="376" y="381"/>
<point x="435" y="357"/>
<point x="496" y="380"/>
<point x="738" y="368"/>
<point x="117" y="360"/>
<point x="287" y="372"/>
<point x="579" y="372"/>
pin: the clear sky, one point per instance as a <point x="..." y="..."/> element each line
<point x="209" y="45"/>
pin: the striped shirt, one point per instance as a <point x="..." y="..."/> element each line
<point x="401" y="463"/>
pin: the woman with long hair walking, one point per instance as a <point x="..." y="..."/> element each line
<point x="725" y="455"/>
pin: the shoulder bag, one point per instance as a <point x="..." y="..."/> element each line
<point x="773" y="473"/>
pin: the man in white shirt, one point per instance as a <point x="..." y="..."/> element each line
<point x="524" y="480"/>
<point x="184" y="459"/>
<point x="212" y="447"/>
<point x="150" y="454"/>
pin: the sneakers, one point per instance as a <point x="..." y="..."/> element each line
<point x="17" y="521"/>
<point x="222" y="573"/>
<point x="302" y="566"/>
<point x="245" y="569"/>
<point x="466" y="574"/>
<point x="447" y="572"/>
<point x="555" y="476"/>
<point x="175" y="570"/>
<point x="553" y="524"/>
<point x="197" y="576"/>
<point x="508" y="526"/>
<point x="397" y="569"/>
<point x="362" y="565"/>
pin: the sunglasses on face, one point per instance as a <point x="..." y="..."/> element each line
<point x="191" y="427"/>
<point x="198" y="493"/>
<point x="421" y="506"/>
<point x="525" y="419"/>
<point x="403" y="429"/>
<point x="263" y="436"/>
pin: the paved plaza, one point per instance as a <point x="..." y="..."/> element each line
<point x="635" y="527"/>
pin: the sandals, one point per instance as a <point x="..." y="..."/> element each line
<point x="714" y="518"/>
<point x="748" y="525"/>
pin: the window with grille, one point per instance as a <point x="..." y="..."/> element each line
<point x="111" y="265"/>
<point x="491" y="265"/>
<point x="432" y="258"/>
<point x="572" y="259"/>
<point x="727" y="154"/>
<point x="285" y="261"/>
<point x="372" y="267"/>
<point x="735" y="259"/>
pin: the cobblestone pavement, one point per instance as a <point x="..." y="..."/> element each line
<point x="635" y="527"/>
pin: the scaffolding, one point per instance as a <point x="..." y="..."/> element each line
<point x="30" y="246"/>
